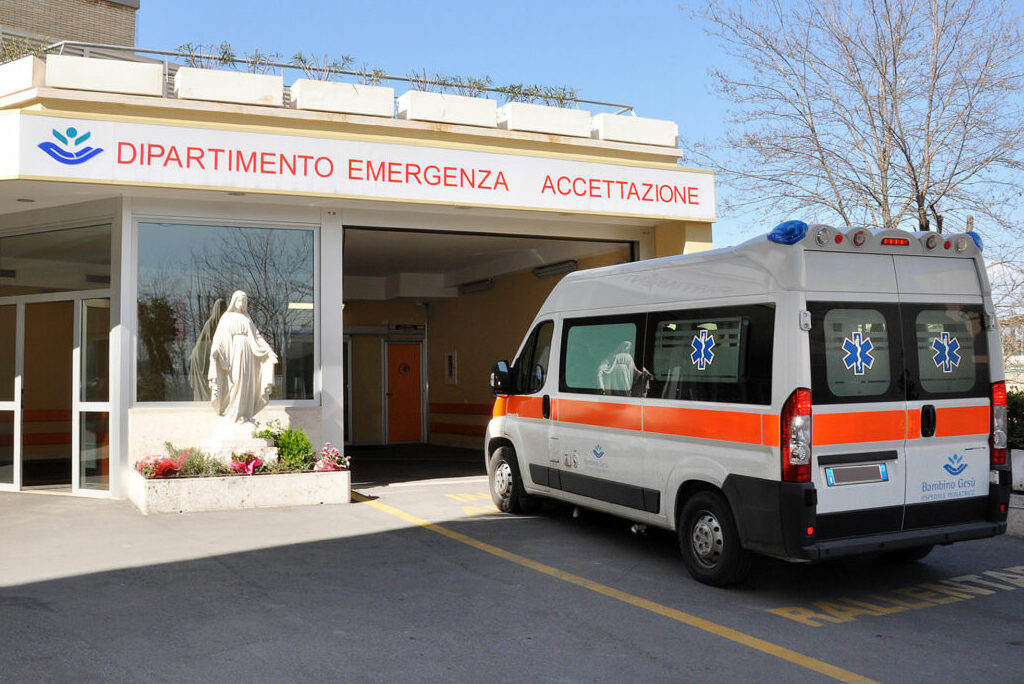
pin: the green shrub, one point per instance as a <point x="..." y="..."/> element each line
<point x="294" y="450"/>
<point x="1015" y="419"/>
<point x="196" y="463"/>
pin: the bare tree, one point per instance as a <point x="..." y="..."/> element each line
<point x="880" y="113"/>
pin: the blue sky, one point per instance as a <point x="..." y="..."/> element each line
<point x="651" y="54"/>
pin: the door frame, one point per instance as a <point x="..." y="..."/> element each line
<point x="77" y="406"/>
<point x="386" y="403"/>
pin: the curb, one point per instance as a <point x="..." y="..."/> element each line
<point x="1015" y="518"/>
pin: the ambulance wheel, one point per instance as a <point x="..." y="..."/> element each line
<point x="709" y="541"/>
<point x="506" y="484"/>
<point x="914" y="553"/>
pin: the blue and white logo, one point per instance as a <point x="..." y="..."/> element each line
<point x="66" y="151"/>
<point x="956" y="465"/>
<point x="946" y="353"/>
<point x="598" y="451"/>
<point x="702" y="355"/>
<point x="858" y="353"/>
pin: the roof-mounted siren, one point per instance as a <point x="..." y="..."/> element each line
<point x="788" y="232"/>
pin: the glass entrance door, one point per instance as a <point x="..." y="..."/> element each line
<point x="8" y="392"/>
<point x="92" y="397"/>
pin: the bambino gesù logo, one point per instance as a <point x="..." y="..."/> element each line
<point x="68" y="148"/>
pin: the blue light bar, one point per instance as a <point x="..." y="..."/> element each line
<point x="977" y="240"/>
<point x="788" y="232"/>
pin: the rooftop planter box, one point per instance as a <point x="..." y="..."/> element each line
<point x="535" y="118"/>
<point x="191" y="83"/>
<point x="22" y="74"/>
<point x="619" y="128"/>
<point x="232" y="492"/>
<point x="344" y="98"/>
<point x="417" y="105"/>
<point x="104" y="75"/>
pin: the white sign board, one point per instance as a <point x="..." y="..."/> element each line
<point x="178" y="156"/>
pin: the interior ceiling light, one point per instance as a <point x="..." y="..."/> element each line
<point x="476" y="286"/>
<point x="26" y="200"/>
<point x="557" y="268"/>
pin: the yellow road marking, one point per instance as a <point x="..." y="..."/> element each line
<point x="692" y="620"/>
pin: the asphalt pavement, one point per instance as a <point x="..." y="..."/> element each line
<point x="422" y="581"/>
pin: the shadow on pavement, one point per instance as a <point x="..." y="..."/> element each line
<point x="378" y="466"/>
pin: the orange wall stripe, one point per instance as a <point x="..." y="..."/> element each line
<point x="730" y="426"/>
<point x="458" y="429"/>
<point x="848" y="428"/>
<point x="600" y="413"/>
<point x="962" y="420"/>
<point x="462" y="409"/>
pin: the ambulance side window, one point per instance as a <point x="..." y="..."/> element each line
<point x="531" y="367"/>
<point x="855" y="353"/>
<point x="722" y="354"/>
<point x="600" y="356"/>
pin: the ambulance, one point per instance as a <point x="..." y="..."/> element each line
<point x="810" y="394"/>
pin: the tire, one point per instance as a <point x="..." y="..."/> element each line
<point x="709" y="541"/>
<point x="911" y="555"/>
<point x="505" y="482"/>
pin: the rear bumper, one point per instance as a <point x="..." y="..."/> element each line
<point x="775" y="518"/>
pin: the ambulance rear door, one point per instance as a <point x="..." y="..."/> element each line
<point x="858" y="394"/>
<point x="948" y="390"/>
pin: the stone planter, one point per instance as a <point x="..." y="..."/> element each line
<point x="635" y="130"/>
<point x="344" y="98"/>
<point x="190" y="494"/>
<point x="454" y="109"/>
<point x="191" y="83"/>
<point x="22" y="74"/>
<point x="105" y="75"/>
<point x="535" y="118"/>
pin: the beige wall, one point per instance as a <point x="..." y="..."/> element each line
<point x="93" y="21"/>
<point x="681" y="237"/>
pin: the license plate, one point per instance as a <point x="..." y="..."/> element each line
<point x="856" y="474"/>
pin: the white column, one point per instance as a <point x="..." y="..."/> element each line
<point x="332" y="392"/>
<point x="122" y="352"/>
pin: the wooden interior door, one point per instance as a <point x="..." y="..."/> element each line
<point x="404" y="393"/>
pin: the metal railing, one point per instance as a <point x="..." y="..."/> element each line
<point x="166" y="57"/>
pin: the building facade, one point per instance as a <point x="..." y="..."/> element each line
<point x="110" y="22"/>
<point x="392" y="249"/>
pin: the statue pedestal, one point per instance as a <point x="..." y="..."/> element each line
<point x="231" y="438"/>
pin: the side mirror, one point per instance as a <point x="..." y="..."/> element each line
<point x="501" y="378"/>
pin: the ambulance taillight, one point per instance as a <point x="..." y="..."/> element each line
<point x="998" y="437"/>
<point x="796" y="437"/>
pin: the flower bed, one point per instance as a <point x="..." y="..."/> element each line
<point x="189" y="494"/>
<point x="187" y="480"/>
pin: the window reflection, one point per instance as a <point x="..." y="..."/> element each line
<point x="187" y="273"/>
<point x="95" y="450"/>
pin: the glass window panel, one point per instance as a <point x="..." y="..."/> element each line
<point x="6" y="447"/>
<point x="856" y="352"/>
<point x="945" y="351"/>
<point x="94" y="457"/>
<point x="95" y="345"/>
<point x="601" y="357"/>
<point x="55" y="261"/>
<point x="8" y="334"/>
<point x="698" y="350"/>
<point x="187" y="274"/>
<point x="531" y="368"/>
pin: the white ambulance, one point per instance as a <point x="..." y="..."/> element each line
<point x="809" y="394"/>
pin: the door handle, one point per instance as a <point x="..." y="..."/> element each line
<point x="927" y="420"/>
<point x="545" y="406"/>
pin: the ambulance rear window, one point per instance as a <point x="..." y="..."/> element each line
<point x="855" y="352"/>
<point x="948" y="354"/>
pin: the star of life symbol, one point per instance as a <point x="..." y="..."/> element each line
<point x="702" y="355"/>
<point x="858" y="353"/>
<point x="946" y="352"/>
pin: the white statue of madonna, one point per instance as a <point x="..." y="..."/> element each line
<point x="241" y="371"/>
